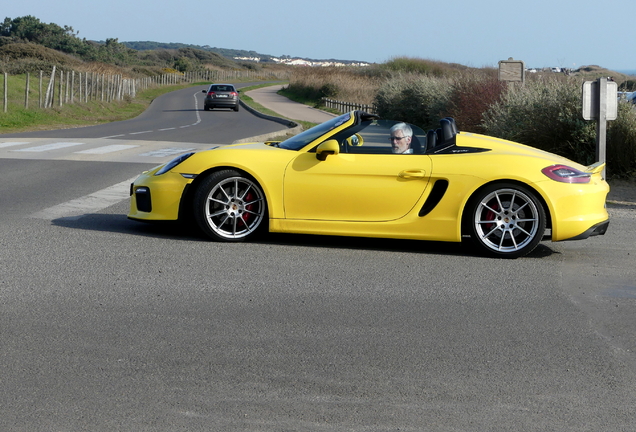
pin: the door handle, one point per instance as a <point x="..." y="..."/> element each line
<point x="412" y="174"/>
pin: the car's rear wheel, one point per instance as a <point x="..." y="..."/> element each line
<point x="230" y="206"/>
<point x="506" y="220"/>
<point x="236" y="108"/>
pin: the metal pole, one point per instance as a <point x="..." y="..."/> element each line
<point x="601" y="125"/>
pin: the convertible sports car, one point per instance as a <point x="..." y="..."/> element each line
<point x="342" y="177"/>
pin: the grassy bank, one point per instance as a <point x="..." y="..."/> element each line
<point x="18" y="119"/>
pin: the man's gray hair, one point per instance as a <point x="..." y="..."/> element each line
<point x="406" y="129"/>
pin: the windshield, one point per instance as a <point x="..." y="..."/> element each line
<point x="302" y="139"/>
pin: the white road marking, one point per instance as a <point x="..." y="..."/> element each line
<point x="167" y="129"/>
<point x="11" y="144"/>
<point x="49" y="147"/>
<point x="92" y="203"/>
<point x="196" y="108"/>
<point x="139" y="133"/>
<point x="107" y="149"/>
<point x="166" y="152"/>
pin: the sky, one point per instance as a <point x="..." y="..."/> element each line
<point x="541" y="33"/>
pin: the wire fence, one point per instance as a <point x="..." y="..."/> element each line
<point x="68" y="87"/>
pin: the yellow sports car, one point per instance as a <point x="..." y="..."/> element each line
<point x="357" y="175"/>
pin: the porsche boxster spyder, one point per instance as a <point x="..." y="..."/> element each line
<point x="344" y="177"/>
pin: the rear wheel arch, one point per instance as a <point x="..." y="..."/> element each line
<point x="471" y="228"/>
<point x="544" y="204"/>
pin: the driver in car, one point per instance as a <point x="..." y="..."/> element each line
<point x="401" y="135"/>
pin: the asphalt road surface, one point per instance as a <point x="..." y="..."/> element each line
<point x="107" y="324"/>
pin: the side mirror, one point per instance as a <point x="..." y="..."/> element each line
<point x="329" y="147"/>
<point x="355" y="140"/>
<point x="205" y="91"/>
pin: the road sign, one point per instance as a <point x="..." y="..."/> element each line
<point x="600" y="103"/>
<point x="512" y="70"/>
<point x="594" y="106"/>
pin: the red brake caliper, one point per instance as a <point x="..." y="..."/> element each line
<point x="247" y="216"/>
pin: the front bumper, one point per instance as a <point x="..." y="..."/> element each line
<point x="157" y="198"/>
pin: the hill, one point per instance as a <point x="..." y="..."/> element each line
<point x="226" y="52"/>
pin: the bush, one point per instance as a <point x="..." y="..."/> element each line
<point x="416" y="99"/>
<point x="471" y="97"/>
<point x="621" y="142"/>
<point x="421" y="66"/>
<point x="347" y="84"/>
<point x="545" y="114"/>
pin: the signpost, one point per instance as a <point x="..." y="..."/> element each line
<point x="512" y="70"/>
<point x="600" y="103"/>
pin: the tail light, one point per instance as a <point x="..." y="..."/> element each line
<point x="210" y="94"/>
<point x="566" y="174"/>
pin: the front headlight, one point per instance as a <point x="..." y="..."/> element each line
<point x="173" y="163"/>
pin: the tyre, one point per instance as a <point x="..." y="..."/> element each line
<point x="236" y="108"/>
<point x="206" y="108"/>
<point x="506" y="220"/>
<point x="230" y="206"/>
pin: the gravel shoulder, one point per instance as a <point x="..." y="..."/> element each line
<point x="622" y="192"/>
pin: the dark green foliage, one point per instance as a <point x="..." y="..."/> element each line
<point x="413" y="99"/>
<point x="546" y="115"/>
<point x="310" y="93"/>
<point x="621" y="139"/>
<point x="628" y="85"/>
<point x="31" y="31"/>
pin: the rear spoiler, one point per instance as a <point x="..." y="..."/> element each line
<point x="595" y="168"/>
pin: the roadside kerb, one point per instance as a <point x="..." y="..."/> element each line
<point x="293" y="127"/>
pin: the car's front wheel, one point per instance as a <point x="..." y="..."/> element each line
<point x="230" y="206"/>
<point x="506" y="220"/>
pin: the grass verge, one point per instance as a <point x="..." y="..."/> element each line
<point x="18" y="119"/>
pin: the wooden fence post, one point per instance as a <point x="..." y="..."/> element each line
<point x="48" y="99"/>
<point x="61" y="88"/>
<point x="26" y="91"/>
<point x="73" y="87"/>
<point x="6" y="89"/>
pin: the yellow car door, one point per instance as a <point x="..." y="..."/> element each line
<point x="354" y="187"/>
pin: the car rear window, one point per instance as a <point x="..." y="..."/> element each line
<point x="221" y="88"/>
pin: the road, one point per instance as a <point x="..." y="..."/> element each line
<point x="113" y="325"/>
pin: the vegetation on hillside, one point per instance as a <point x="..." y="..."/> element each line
<point x="545" y="112"/>
<point x="29" y="45"/>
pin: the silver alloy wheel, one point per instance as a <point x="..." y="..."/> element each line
<point x="234" y="208"/>
<point x="507" y="221"/>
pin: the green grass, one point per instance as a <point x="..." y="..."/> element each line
<point x="18" y="119"/>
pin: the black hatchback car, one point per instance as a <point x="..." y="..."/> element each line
<point x="221" y="96"/>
